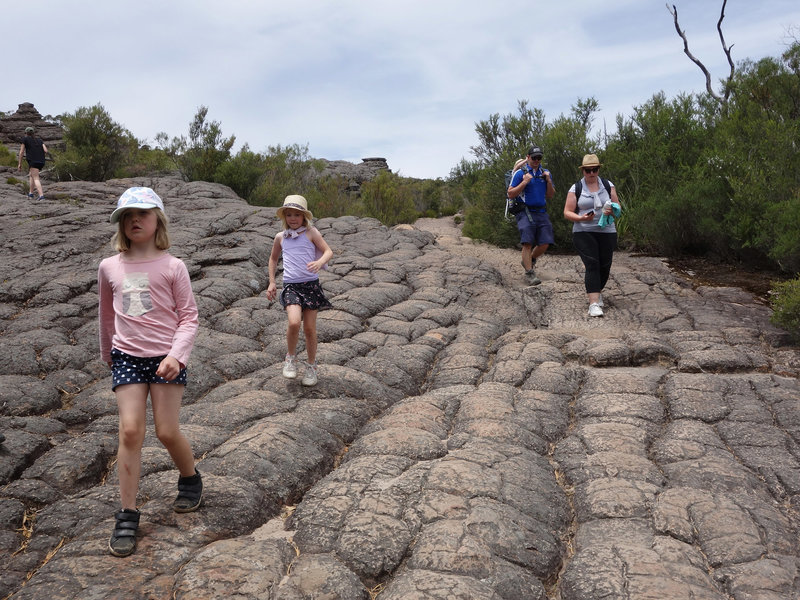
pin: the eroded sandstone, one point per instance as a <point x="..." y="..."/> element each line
<point x="469" y="438"/>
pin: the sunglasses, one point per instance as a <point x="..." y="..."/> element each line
<point x="591" y="169"/>
<point x="536" y="158"/>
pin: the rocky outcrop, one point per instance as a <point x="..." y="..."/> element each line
<point x="469" y="438"/>
<point x="12" y="127"/>
<point x="354" y="174"/>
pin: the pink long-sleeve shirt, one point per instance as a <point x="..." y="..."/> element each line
<point x="147" y="308"/>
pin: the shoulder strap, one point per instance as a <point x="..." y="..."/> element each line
<point x="525" y="169"/>
<point x="579" y="187"/>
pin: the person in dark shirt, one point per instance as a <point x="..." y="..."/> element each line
<point x="34" y="150"/>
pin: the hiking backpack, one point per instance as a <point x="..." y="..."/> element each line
<point x="514" y="206"/>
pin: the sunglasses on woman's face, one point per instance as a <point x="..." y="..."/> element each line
<point x="591" y="169"/>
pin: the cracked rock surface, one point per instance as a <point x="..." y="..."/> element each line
<point x="470" y="438"/>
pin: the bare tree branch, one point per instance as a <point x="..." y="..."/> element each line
<point x="727" y="49"/>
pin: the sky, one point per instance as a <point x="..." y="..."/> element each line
<point x="406" y="80"/>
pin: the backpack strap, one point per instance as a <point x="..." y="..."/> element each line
<point x="525" y="169"/>
<point x="579" y="187"/>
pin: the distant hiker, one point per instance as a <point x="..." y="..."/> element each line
<point x="591" y="205"/>
<point x="34" y="150"/>
<point x="304" y="253"/>
<point x="148" y="322"/>
<point x="535" y="185"/>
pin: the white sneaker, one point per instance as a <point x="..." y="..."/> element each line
<point x="600" y="301"/>
<point x="290" y="367"/>
<point x="595" y="310"/>
<point x="310" y="375"/>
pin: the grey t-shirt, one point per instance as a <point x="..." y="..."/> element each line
<point x="592" y="201"/>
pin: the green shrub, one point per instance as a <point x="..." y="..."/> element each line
<point x="242" y="173"/>
<point x="786" y="307"/>
<point x="331" y="198"/>
<point x="286" y="170"/>
<point x="484" y="208"/>
<point x="782" y="220"/>
<point x="147" y="161"/>
<point x="7" y="158"/>
<point x="388" y="199"/>
<point x="200" y="155"/>
<point x="96" y="147"/>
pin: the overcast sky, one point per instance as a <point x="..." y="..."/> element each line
<point x="405" y="80"/>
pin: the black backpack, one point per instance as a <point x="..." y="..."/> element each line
<point x="579" y="187"/>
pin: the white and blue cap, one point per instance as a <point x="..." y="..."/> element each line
<point x="136" y="197"/>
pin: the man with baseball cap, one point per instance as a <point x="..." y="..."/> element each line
<point x="534" y="186"/>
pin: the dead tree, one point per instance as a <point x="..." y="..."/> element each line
<point x="721" y="99"/>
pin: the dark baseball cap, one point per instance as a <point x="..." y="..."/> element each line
<point x="535" y="151"/>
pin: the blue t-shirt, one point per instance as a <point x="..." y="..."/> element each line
<point x="536" y="189"/>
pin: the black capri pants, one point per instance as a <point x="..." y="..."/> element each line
<point x="596" y="250"/>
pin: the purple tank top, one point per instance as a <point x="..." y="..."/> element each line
<point x="298" y="251"/>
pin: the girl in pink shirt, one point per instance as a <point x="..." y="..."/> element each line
<point x="148" y="322"/>
<point x="304" y="253"/>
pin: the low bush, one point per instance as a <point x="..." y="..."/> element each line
<point x="96" y="146"/>
<point x="199" y="156"/>
<point x="786" y="307"/>
<point x="147" y="161"/>
<point x="7" y="158"/>
<point x="388" y="199"/>
<point x="331" y="198"/>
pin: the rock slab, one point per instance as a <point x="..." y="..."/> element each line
<point x="469" y="437"/>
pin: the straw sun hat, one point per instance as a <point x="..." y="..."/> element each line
<point x="296" y="202"/>
<point x="591" y="160"/>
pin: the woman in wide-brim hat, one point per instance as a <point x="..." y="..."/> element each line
<point x="594" y="238"/>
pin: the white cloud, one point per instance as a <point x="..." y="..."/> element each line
<point x="404" y="80"/>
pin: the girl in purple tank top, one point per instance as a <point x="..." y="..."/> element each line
<point x="304" y="253"/>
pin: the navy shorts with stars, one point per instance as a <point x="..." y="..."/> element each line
<point x="133" y="369"/>
<point x="308" y="295"/>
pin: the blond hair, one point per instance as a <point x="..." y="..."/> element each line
<point x="306" y="222"/>
<point x="123" y="244"/>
